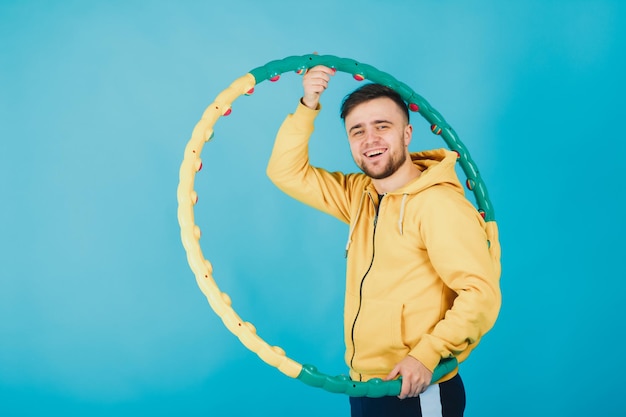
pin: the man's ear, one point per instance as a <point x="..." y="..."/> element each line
<point x="408" y="134"/>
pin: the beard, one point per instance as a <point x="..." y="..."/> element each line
<point x="378" y="173"/>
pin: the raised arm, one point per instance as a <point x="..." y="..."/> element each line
<point x="289" y="167"/>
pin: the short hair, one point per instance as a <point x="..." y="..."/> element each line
<point x="370" y="92"/>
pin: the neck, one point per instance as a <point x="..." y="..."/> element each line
<point x="405" y="174"/>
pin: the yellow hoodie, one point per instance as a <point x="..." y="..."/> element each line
<point x="420" y="279"/>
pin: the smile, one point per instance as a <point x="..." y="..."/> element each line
<point x="373" y="153"/>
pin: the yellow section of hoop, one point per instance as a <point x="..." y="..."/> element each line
<point x="190" y="233"/>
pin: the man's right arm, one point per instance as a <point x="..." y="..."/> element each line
<point x="289" y="166"/>
<point x="290" y="170"/>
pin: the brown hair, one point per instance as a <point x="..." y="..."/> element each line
<point x="370" y="92"/>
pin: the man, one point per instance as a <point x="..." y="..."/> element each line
<point x="421" y="284"/>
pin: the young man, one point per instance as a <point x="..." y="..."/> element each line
<point x="421" y="284"/>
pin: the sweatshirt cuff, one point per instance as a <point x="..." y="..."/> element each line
<point x="302" y="106"/>
<point x="304" y="116"/>
<point x="426" y="355"/>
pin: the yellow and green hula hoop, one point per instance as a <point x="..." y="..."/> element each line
<point x="219" y="301"/>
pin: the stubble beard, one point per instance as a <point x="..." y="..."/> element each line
<point x="393" y="164"/>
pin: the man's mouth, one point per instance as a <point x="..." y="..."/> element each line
<point x="373" y="153"/>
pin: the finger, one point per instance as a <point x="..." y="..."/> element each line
<point x="322" y="69"/>
<point x="394" y="373"/>
<point x="406" y="390"/>
<point x="317" y="76"/>
<point x="316" y="79"/>
<point x="319" y="84"/>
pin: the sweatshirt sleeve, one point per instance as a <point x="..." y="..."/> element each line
<point x="290" y="170"/>
<point x="457" y="245"/>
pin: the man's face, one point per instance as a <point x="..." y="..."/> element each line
<point x="379" y="134"/>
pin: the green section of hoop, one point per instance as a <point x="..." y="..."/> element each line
<point x="438" y="123"/>
<point x="374" y="388"/>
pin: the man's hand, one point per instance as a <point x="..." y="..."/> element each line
<point x="415" y="377"/>
<point x="315" y="81"/>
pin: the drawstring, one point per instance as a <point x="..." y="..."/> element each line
<point x="353" y="223"/>
<point x="358" y="213"/>
<point x="404" y="196"/>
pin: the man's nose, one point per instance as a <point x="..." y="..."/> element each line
<point x="370" y="134"/>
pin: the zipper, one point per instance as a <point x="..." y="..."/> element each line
<point x="356" y="317"/>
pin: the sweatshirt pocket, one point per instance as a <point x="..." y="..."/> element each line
<point x="378" y="341"/>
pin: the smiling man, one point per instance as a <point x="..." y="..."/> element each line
<point x="421" y="285"/>
<point x="379" y="134"/>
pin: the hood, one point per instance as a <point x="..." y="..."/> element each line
<point x="438" y="168"/>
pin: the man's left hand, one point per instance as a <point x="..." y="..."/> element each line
<point x="415" y="377"/>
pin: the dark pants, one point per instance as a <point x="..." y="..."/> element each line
<point x="442" y="400"/>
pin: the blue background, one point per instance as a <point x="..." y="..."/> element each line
<point x="100" y="314"/>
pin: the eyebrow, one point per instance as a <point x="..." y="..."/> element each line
<point x="375" y="122"/>
<point x="356" y="126"/>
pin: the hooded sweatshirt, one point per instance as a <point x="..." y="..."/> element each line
<point x="420" y="279"/>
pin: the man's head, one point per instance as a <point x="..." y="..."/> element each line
<point x="377" y="124"/>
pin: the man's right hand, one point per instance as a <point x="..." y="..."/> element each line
<point x="315" y="81"/>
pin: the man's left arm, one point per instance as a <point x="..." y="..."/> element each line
<point x="458" y="249"/>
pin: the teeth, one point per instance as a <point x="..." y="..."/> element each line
<point x="373" y="153"/>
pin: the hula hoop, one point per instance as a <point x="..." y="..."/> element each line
<point x="219" y="301"/>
